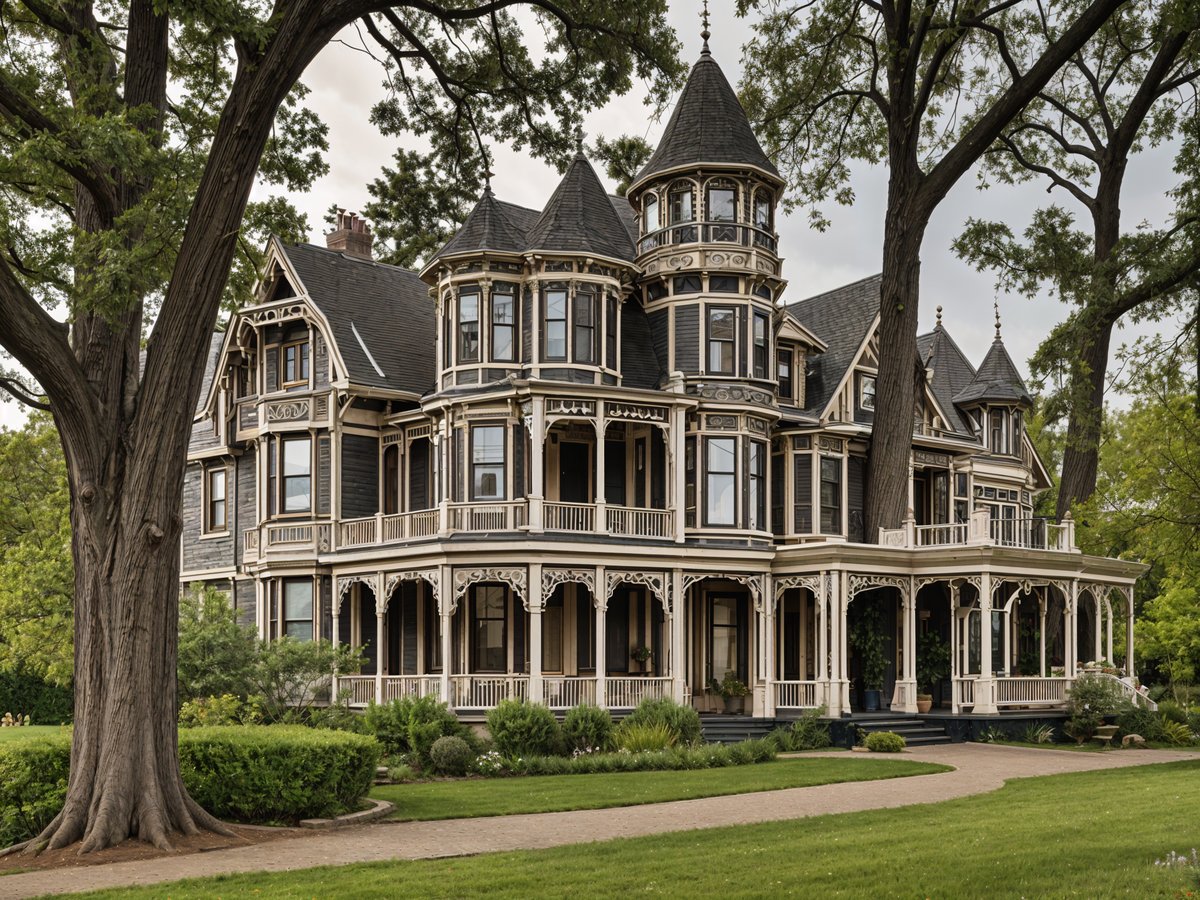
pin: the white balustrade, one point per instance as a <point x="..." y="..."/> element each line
<point x="569" y="516"/>
<point x="486" y="691"/>
<point x="280" y="535"/>
<point x="359" y="688"/>
<point x="626" y="693"/>
<point x="638" y="522"/>
<point x="250" y="542"/>
<point x="1031" y="692"/>
<point x="562" y="692"/>
<point x="397" y="686"/>
<point x="941" y="535"/>
<point x="357" y="532"/>
<point x="487" y="516"/>
<point x="964" y="692"/>
<point x="799" y="694"/>
<point x="1136" y="697"/>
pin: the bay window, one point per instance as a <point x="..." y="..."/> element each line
<point x="722" y="339"/>
<point x="757" y="492"/>
<point x="293" y="364"/>
<point x="720" y="481"/>
<point x="761" y="327"/>
<point x="468" y="327"/>
<point x="504" y="322"/>
<point x="487" y="462"/>
<point x="997" y="431"/>
<point x="721" y="206"/>
<point x="297" y="474"/>
<point x="298" y="608"/>
<point x="585" y="325"/>
<point x="556" y="325"/>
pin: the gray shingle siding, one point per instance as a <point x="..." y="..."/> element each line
<point x="209" y="553"/>
<point x="247" y="488"/>
<point x="687" y="339"/>
<point x="360" y="476"/>
<point x="324" y="475"/>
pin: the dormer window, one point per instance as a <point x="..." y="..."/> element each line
<point x="783" y="374"/>
<point x="866" y="392"/>
<point x="293" y="364"/>
<point x="468" y="327"/>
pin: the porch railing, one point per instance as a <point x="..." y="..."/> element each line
<point x="1026" y="691"/>
<point x="941" y="535"/>
<point x="486" y="691"/>
<point x="1136" y="697"/>
<point x="421" y="523"/>
<point x="398" y="686"/>
<point x="638" y="522"/>
<point x="487" y="516"/>
<point x="964" y="692"/>
<point x="799" y="694"/>
<point x="250" y="543"/>
<point x="570" y="516"/>
<point x="1028" y="534"/>
<point x="1033" y="533"/>
<point x="357" y="532"/>
<point x="361" y="688"/>
<point x="626" y="693"/>
<point x="564" y="692"/>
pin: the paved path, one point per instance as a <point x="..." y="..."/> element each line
<point x="979" y="768"/>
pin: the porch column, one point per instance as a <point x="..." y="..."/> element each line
<point x="380" y="612"/>
<point x="337" y="608"/>
<point x="1098" y="619"/>
<point x="601" y="600"/>
<point x="601" y="524"/>
<point x="537" y="464"/>
<point x="1043" y="601"/>
<point x="1129" y="670"/>
<point x="1007" y="634"/>
<point x="838" y="689"/>
<point x="955" y="605"/>
<point x="1108" y="627"/>
<point x="678" y="648"/>
<point x="446" y="611"/>
<point x="985" y="686"/>
<point x="534" y="603"/>
<point x="1070" y="651"/>
<point x="679" y="471"/>
<point x="769" y="637"/>
<point x="821" y="623"/>
<point x="908" y="609"/>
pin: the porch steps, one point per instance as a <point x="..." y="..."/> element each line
<point x="721" y="729"/>
<point x="916" y="732"/>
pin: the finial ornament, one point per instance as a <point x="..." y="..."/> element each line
<point x="579" y="139"/>
<point x="939" y="316"/>
<point x="996" y="307"/>
<point x="487" y="180"/>
<point x="705" y="33"/>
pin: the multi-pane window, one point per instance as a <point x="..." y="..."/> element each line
<point x="722" y="204"/>
<point x="867" y="393"/>
<point x="680" y="204"/>
<point x="504" y="321"/>
<point x="216" y="517"/>
<point x="720" y="481"/>
<point x="297" y="474"/>
<point x="293" y="363"/>
<point x="585" y="325"/>
<point x="1016" y="433"/>
<point x="468" y="327"/>
<point x="757" y="499"/>
<point x="556" y="325"/>
<point x="488" y="653"/>
<point x="487" y="462"/>
<point x="783" y="373"/>
<point x="762" y="211"/>
<point x="298" y="608"/>
<point x="610" y="334"/>
<point x="761" y="324"/>
<point x="722" y="339"/>
<point x="831" y="495"/>
<point x="649" y="213"/>
<point x="996" y="431"/>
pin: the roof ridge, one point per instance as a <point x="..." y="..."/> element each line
<point x="354" y="259"/>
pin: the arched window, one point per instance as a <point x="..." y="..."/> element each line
<point x="762" y="213"/>
<point x="650" y="213"/>
<point x="681" y="211"/>
<point x="721" y="205"/>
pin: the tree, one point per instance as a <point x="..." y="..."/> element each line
<point x="1125" y="90"/>
<point x="831" y="81"/>
<point x="217" y="655"/>
<point x="623" y="157"/>
<point x="35" y="554"/>
<point x="130" y="139"/>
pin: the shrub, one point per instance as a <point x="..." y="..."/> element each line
<point x="224" y="710"/>
<point x="1172" y="711"/>
<point x="217" y="655"/>
<point x="809" y="732"/>
<point x="411" y="725"/>
<point x="33" y="785"/>
<point x="683" y="721"/>
<point x="524" y="729"/>
<point x="26" y="695"/>
<point x="704" y="756"/>
<point x="1038" y="734"/>
<point x="642" y="737"/>
<point x="1176" y="733"/>
<point x="292" y="677"/>
<point x="885" y="742"/>
<point x="1138" y="720"/>
<point x="588" y="728"/>
<point x="1090" y="699"/>
<point x="276" y="774"/>
<point x="450" y="755"/>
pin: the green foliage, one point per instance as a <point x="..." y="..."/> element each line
<point x="884" y="742"/>
<point x="1090" y="700"/>
<point x="644" y="737"/>
<point x="410" y="725"/>
<point x="704" y="756"/>
<point x="292" y="677"/>
<point x="1177" y="733"/>
<point x="518" y="728"/>
<point x="224" y="710"/>
<point x="682" y="720"/>
<point x="278" y="773"/>
<point x="729" y="686"/>
<point x="36" y="571"/>
<point x="44" y="703"/>
<point x="1038" y="734"/>
<point x="867" y="639"/>
<point x="33" y="785"/>
<point x="933" y="661"/>
<point x="588" y="728"/>
<point x="217" y="656"/>
<point x="1172" y="711"/>
<point x="1139" y="720"/>
<point x="622" y="157"/>
<point x="450" y="755"/>
<point x="809" y="732"/>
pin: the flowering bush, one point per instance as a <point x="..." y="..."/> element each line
<point x="1090" y="700"/>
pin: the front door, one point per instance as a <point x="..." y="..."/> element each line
<point x="727" y="637"/>
<point x="574" y="465"/>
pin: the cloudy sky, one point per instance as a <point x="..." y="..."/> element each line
<point x="346" y="82"/>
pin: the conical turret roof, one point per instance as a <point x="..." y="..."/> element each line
<point x="491" y="225"/>
<point x="579" y="217"/>
<point x="997" y="379"/>
<point x="707" y="126"/>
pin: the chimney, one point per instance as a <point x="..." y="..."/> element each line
<point x="352" y="236"/>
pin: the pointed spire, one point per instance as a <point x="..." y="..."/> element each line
<point x="939" y="316"/>
<point x="705" y="33"/>
<point x="996" y="307"/>
<point x="580" y="218"/>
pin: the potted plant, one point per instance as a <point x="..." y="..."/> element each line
<point x="732" y="689"/>
<point x="642" y="655"/>
<point x="868" y="641"/>
<point x="933" y="664"/>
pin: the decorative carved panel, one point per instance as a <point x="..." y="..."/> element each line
<point x="287" y="411"/>
<point x="552" y="578"/>
<point x="731" y="393"/>
<point x="515" y="578"/>
<point x="431" y="577"/>
<point x="636" y="412"/>
<point x="565" y="406"/>
<point x="860" y="583"/>
<point x="656" y="582"/>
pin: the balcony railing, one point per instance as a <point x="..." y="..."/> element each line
<point x="397" y="686"/>
<point x="709" y="233"/>
<point x="799" y="694"/>
<point x="487" y="516"/>
<point x="636" y="522"/>
<point x="569" y="516"/>
<point x="1034" y="533"/>
<point x="1031" y="692"/>
<point x="627" y="693"/>
<point x="564" y="692"/>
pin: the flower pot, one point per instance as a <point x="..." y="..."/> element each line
<point x="733" y="705"/>
<point x="924" y="703"/>
<point x="872" y="700"/>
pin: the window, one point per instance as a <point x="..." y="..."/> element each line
<point x="293" y="363"/>
<point x="391" y="480"/>
<point x="996" y="430"/>
<point x="762" y="210"/>
<point x="552" y="634"/>
<point x="757" y="500"/>
<point x="585" y="325"/>
<point x="433" y="634"/>
<point x="680" y="204"/>
<point x="297" y="474"/>
<point x="649" y="213"/>
<point x="831" y="495"/>
<point x="1016" y="432"/>
<point x="298" y="608"/>
<point x="722" y="204"/>
<point x="686" y="284"/>
<point x="556" y="324"/>
<point x="488" y="607"/>
<point x="487" y="462"/>
<point x="722" y="334"/>
<point x="724" y="284"/>
<point x="468" y="328"/>
<point x="503" y="323"/>
<point x="720" y="481"/>
<point x="760" y="345"/>
<point x="216" y="517"/>
<point x="867" y="392"/>
<point x="610" y="334"/>
<point x="725" y="638"/>
<point x="783" y="373"/>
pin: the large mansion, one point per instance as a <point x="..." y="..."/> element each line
<point x="596" y="452"/>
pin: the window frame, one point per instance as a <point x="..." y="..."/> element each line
<point x="723" y="186"/>
<point x="477" y="593"/>
<point x="790" y="391"/>
<point x="510" y="325"/>
<point x="460" y="331"/>
<point x="302" y="364"/>
<point x="832" y="464"/>
<point x="650" y="202"/>
<point x="710" y="473"/>
<point x="283" y="478"/>
<point x="681" y="189"/>
<point x="284" y="620"/>
<point x="756" y="485"/>
<point x="997" y="438"/>
<point x="547" y="321"/>
<point x="584" y="335"/>
<point x="863" y="380"/>
<point x="211" y="526"/>
<point x="709" y="340"/>
<point x="474" y="464"/>
<point x="761" y="351"/>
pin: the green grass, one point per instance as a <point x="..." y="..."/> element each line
<point x="554" y="793"/>
<point x="24" y="733"/>
<point x="1092" y="834"/>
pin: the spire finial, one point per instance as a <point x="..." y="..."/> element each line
<point x="705" y="33"/>
<point x="939" y="316"/>
<point x="487" y="180"/>
<point x="996" y="307"/>
<point x="579" y="139"/>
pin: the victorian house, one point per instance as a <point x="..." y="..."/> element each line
<point x="601" y="451"/>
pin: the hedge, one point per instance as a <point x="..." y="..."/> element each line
<point x="43" y="702"/>
<point x="248" y="773"/>
<point x="702" y="756"/>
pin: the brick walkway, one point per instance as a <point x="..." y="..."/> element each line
<point x="979" y="768"/>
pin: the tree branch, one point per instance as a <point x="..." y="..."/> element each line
<point x="15" y="388"/>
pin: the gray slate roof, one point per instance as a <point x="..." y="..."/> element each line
<point x="491" y="225"/>
<point x="841" y="318"/>
<point x="997" y="379"/>
<point x="708" y="125"/>
<point x="581" y="218"/>
<point x="952" y="372"/>
<point x="384" y="309"/>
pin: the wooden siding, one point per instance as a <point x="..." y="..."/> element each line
<point x="324" y="475"/>
<point x="687" y="339"/>
<point x="660" y="336"/>
<point x="246" y="512"/>
<point x="210" y="553"/>
<point x="360" y="476"/>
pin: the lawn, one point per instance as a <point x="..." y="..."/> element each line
<point x="24" y="733"/>
<point x="554" y="793"/>
<point x="1092" y="834"/>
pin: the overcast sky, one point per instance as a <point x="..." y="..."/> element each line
<point x="346" y="82"/>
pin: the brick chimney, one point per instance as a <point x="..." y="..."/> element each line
<point x="352" y="236"/>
